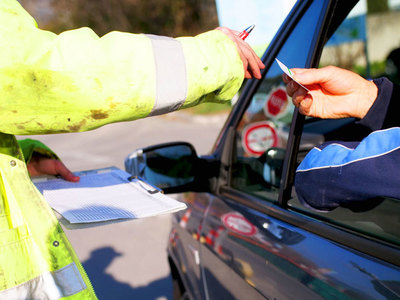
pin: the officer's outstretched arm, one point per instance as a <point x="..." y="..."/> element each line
<point x="77" y="81"/>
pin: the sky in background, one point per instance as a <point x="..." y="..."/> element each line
<point x="267" y="15"/>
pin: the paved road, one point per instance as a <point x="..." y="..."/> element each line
<point x="128" y="260"/>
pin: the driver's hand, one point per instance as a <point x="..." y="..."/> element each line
<point x="334" y="93"/>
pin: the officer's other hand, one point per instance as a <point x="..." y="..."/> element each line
<point x="42" y="165"/>
<point x="251" y="62"/>
<point x="334" y="92"/>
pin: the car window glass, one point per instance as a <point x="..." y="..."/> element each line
<point x="263" y="130"/>
<point x="368" y="44"/>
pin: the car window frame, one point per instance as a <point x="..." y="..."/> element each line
<point x="224" y="146"/>
<point x="366" y="244"/>
<point x="330" y="22"/>
<point x="268" y="59"/>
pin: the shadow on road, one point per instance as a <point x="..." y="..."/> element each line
<point x="107" y="287"/>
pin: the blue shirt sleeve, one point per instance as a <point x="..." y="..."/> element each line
<point x="349" y="174"/>
<point x="384" y="112"/>
<point x="355" y="174"/>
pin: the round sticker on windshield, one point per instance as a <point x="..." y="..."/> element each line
<point x="259" y="137"/>
<point x="277" y="104"/>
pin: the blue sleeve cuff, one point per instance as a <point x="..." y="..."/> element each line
<point x="376" y="116"/>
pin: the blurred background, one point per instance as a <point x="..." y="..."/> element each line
<point x="164" y="17"/>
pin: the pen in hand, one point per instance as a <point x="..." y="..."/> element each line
<point x="245" y="33"/>
<point x="251" y="62"/>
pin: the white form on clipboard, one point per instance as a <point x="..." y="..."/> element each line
<point x="105" y="195"/>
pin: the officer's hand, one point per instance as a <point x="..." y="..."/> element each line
<point x="251" y="62"/>
<point x="41" y="165"/>
<point x="334" y="93"/>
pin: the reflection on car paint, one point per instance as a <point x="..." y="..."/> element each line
<point x="239" y="224"/>
<point x="292" y="252"/>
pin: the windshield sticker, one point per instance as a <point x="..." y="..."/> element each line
<point x="259" y="137"/>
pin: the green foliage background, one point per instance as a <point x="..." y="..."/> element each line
<point x="163" y="17"/>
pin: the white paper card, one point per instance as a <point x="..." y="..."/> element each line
<point x="287" y="71"/>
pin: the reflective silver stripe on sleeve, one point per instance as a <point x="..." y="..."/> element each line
<point x="171" y="81"/>
<point x="50" y="285"/>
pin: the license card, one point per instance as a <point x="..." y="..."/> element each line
<point x="289" y="73"/>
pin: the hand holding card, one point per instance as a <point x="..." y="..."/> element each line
<point x="287" y="71"/>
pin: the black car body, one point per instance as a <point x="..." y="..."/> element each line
<point x="244" y="235"/>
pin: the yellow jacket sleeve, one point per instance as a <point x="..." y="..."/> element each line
<point x="77" y="81"/>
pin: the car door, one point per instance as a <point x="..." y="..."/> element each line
<point x="254" y="241"/>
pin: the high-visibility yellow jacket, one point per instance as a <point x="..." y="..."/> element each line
<point x="76" y="81"/>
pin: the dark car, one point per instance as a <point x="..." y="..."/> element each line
<point x="244" y="234"/>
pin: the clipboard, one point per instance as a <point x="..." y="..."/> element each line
<point x="104" y="196"/>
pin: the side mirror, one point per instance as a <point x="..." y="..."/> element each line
<point x="171" y="167"/>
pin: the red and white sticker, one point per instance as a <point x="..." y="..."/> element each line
<point x="239" y="224"/>
<point x="259" y="137"/>
<point x="277" y="104"/>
